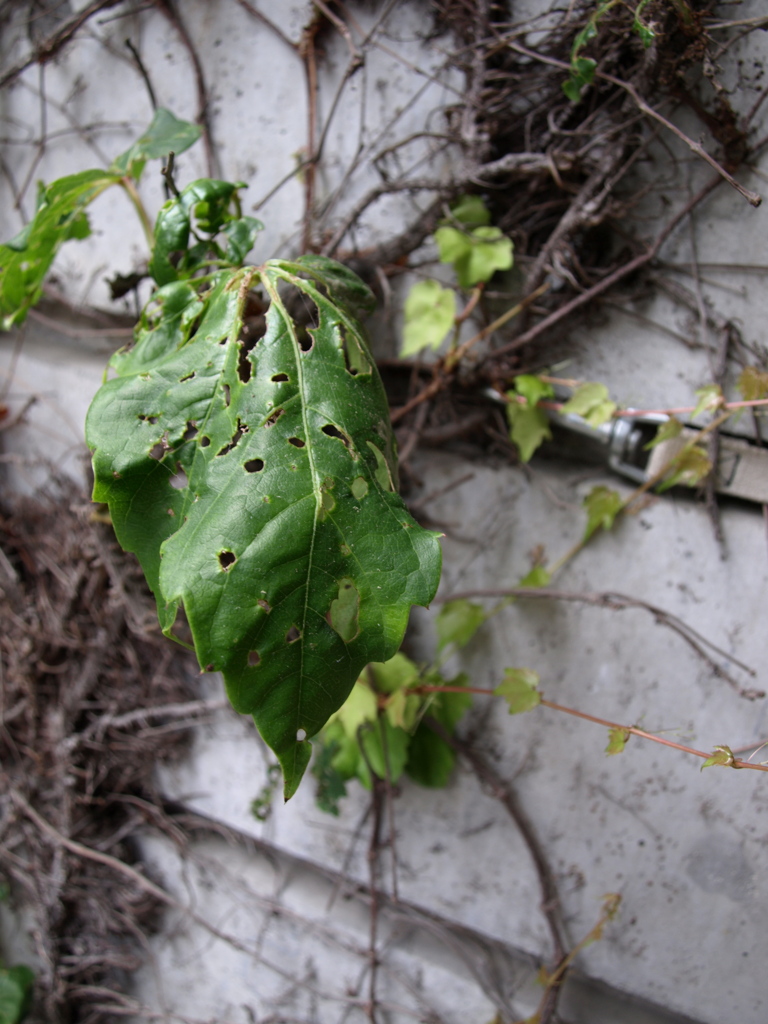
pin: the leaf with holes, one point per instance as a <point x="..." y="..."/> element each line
<point x="254" y="475"/>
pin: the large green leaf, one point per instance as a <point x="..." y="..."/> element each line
<point x="255" y="479"/>
<point x="26" y="259"/>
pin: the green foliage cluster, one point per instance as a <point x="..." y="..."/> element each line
<point x="251" y="468"/>
<point x="60" y="214"/>
<point x="582" y="68"/>
<point x="476" y="250"/>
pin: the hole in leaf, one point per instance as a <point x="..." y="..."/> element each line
<point x="305" y="338"/>
<point x="254" y="659"/>
<point x="274" y="418"/>
<point x="265" y="605"/>
<point x="292" y="635"/>
<point x="241" y="429"/>
<point x="354" y="352"/>
<point x="204" y="442"/>
<point x="158" y="451"/>
<point x="304" y="313"/>
<point x="296" y="442"/>
<point x="148" y="419"/>
<point x="280" y="377"/>
<point x="179" y="480"/>
<point x="227" y="559"/>
<point x="190" y="432"/>
<point x="252" y="333"/>
<point x="227" y="394"/>
<point x="301" y="735"/>
<point x="254" y="465"/>
<point x="332" y="431"/>
<point x="189" y="376"/>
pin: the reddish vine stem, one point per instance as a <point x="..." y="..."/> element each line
<point x="634" y="730"/>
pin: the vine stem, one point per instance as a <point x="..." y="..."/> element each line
<point x="632" y="729"/>
<point x="752" y="403"/>
<point x="130" y="187"/>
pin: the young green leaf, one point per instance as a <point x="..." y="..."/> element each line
<point x="582" y="75"/>
<point x="385" y="752"/>
<point x="457" y="622"/>
<point x="721" y="755"/>
<point x="591" y="402"/>
<point x="396" y="674"/>
<point x="752" y="384"/>
<point x="471" y="211"/>
<point x="166" y="134"/>
<point x="617" y="740"/>
<point x="709" y="399"/>
<point x="532" y="388"/>
<point x="666" y="431"/>
<point x="529" y="426"/>
<point x="255" y="479"/>
<point x="430" y="758"/>
<point x="402" y="709"/>
<point x="537" y="577"/>
<point x="26" y="259"/>
<point x="519" y="689"/>
<point x="476" y="255"/>
<point x="15" y="993"/>
<point x="430" y="311"/>
<point x="689" y="468"/>
<point x="602" y="505"/>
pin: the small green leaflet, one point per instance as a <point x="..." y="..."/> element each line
<point x="602" y="505"/>
<point x="591" y="402"/>
<point x="396" y="674"/>
<point x="476" y="255"/>
<point x="60" y="214"/>
<point x="753" y="384"/>
<point x="690" y="467"/>
<point x="430" y="312"/>
<point x="617" y="740"/>
<point x="709" y="399"/>
<point x="430" y="758"/>
<point x="532" y="388"/>
<point x="254" y="476"/>
<point x="529" y="425"/>
<point x="457" y="622"/>
<point x="471" y="211"/>
<point x="582" y="75"/>
<point x="26" y="259"/>
<point x="722" y="755"/>
<point x="519" y="689"/>
<point x="166" y="134"/>
<point x="15" y="993"/>
<point x="666" y="431"/>
<point x="537" y="577"/>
